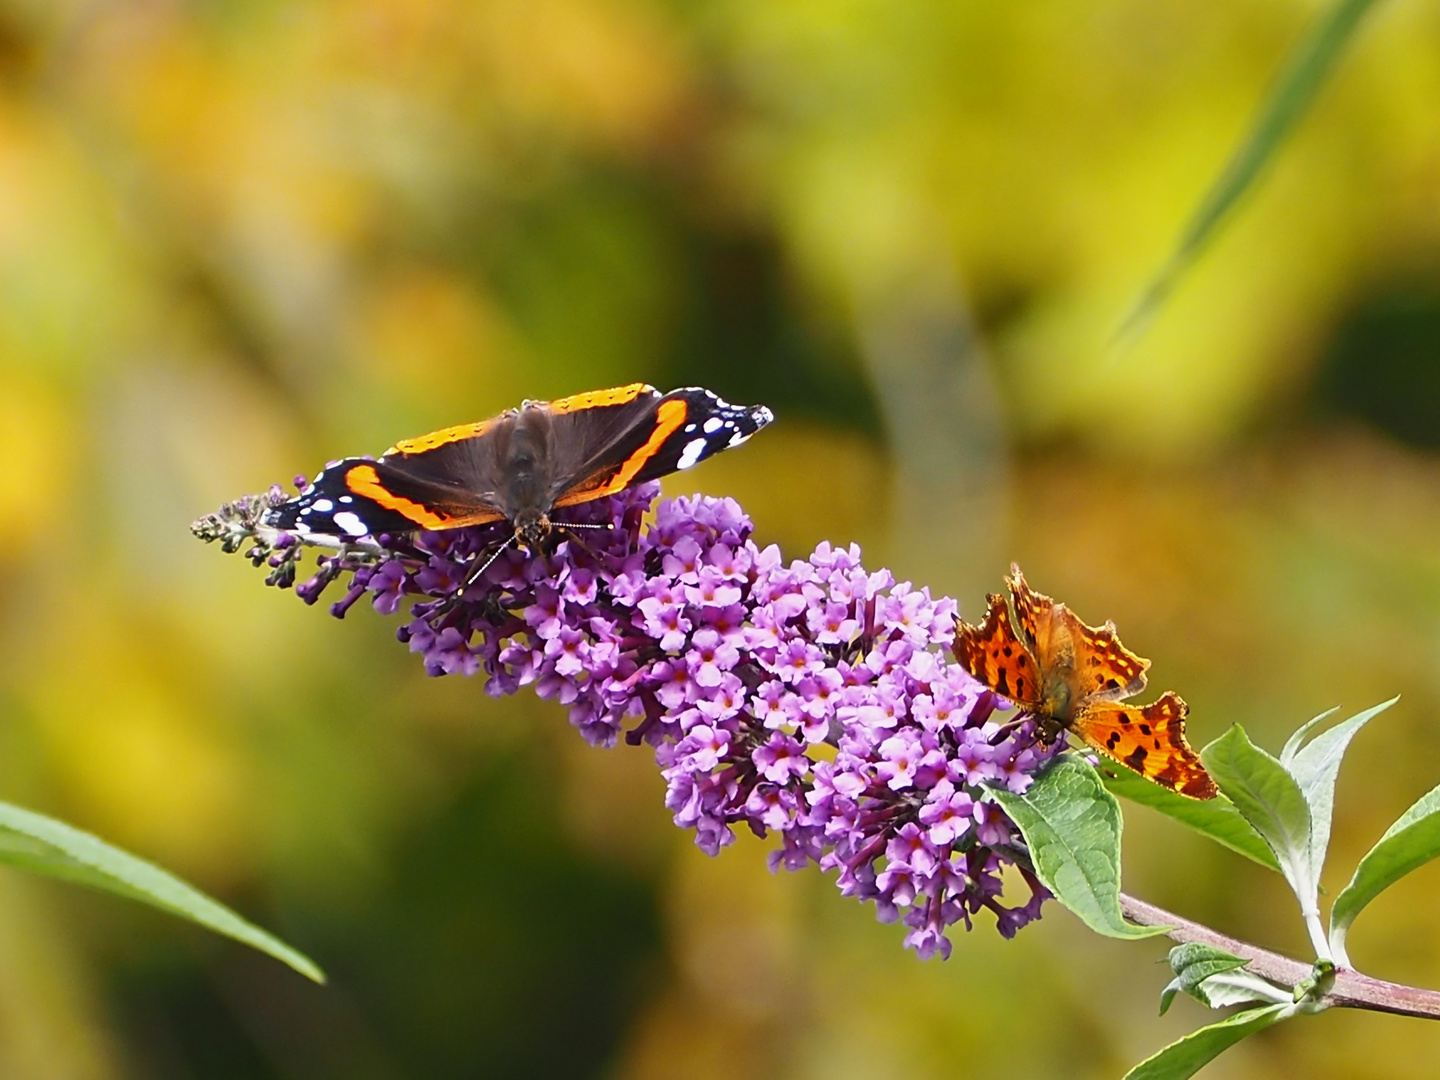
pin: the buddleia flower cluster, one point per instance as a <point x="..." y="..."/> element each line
<point x="811" y="699"/>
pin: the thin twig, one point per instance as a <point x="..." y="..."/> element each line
<point x="1351" y="990"/>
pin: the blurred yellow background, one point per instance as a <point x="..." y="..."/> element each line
<point x="237" y="240"/>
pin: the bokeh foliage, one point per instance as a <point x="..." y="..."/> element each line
<point x="239" y="239"/>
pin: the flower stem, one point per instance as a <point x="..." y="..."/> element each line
<point x="1351" y="990"/>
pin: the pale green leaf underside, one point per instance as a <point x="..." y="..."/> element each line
<point x="1072" y="825"/>
<point x="1315" y="767"/>
<point x="1239" y="988"/>
<point x="1193" y="963"/>
<point x="1293" y="744"/>
<point x="43" y="845"/>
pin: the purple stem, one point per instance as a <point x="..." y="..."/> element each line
<point x="1351" y="990"/>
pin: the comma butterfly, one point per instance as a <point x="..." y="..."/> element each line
<point x="1041" y="656"/>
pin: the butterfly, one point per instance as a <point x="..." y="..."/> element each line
<point x="1041" y="656"/>
<point x="522" y="465"/>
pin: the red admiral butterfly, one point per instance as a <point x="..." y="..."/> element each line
<point x="522" y="464"/>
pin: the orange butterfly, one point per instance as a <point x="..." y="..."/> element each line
<point x="1041" y="656"/>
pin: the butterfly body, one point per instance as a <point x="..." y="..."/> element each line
<point x="1069" y="675"/>
<point x="522" y="465"/>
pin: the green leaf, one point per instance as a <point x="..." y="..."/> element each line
<point x="1187" y="1056"/>
<point x="1239" y="988"/>
<point x="1271" y="800"/>
<point x="1213" y="977"/>
<point x="1193" y="963"/>
<point x="1411" y="842"/>
<point x="1217" y="818"/>
<point x="1304" y="71"/>
<point x="1072" y="825"/>
<point x="1293" y="744"/>
<point x="43" y="845"/>
<point x="1315" y="766"/>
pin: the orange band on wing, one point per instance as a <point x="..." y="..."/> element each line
<point x="616" y="395"/>
<point x="443" y="437"/>
<point x="670" y="416"/>
<point x="363" y="480"/>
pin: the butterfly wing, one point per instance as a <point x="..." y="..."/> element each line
<point x="995" y="655"/>
<point x="544" y="455"/>
<point x="359" y="497"/>
<point x="1090" y="660"/>
<point x="603" y="447"/>
<point x="1104" y="668"/>
<point x="1149" y="739"/>
<point x="1032" y="609"/>
<point x="535" y="457"/>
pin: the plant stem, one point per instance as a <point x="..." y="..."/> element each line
<point x="1318" y="940"/>
<point x="1351" y="990"/>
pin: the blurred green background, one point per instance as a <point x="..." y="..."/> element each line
<point x="237" y="240"/>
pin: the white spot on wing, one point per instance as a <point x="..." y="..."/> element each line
<point x="351" y="523"/>
<point x="713" y="425"/>
<point x="323" y="505"/>
<point x="691" y="454"/>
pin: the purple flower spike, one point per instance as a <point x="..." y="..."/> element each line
<point x="813" y="700"/>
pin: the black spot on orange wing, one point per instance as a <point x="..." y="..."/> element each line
<point x="1110" y="727"/>
<point x="1030" y="606"/>
<point x="1115" y="672"/>
<point x="1111" y="671"/>
<point x="1182" y="771"/>
<point x="994" y="655"/>
<point x="1198" y="785"/>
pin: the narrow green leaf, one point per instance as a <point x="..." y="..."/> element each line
<point x="1239" y="988"/>
<point x="1185" y="1057"/>
<point x="1213" y="977"/>
<point x="43" y="845"/>
<point x="1193" y="963"/>
<point x="1072" y="825"/>
<point x="1271" y="800"/>
<point x="1305" y="69"/>
<point x="1315" y="767"/>
<point x="1411" y="842"/>
<point x="1217" y="818"/>
<point x="1195" y="955"/>
<point x="1293" y="744"/>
